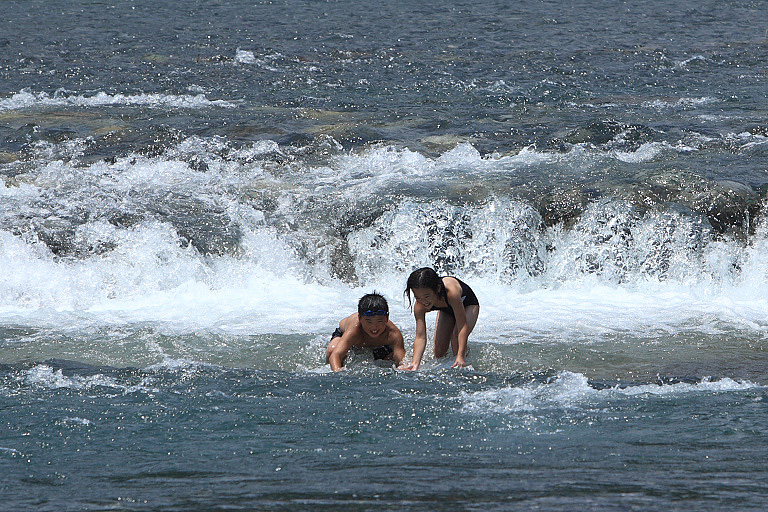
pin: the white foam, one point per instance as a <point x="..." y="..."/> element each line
<point x="174" y="364"/>
<point x="572" y="390"/>
<point x="249" y="58"/>
<point x="43" y="376"/>
<point x="695" y="59"/>
<point x="705" y="386"/>
<point x="683" y="103"/>
<point x="13" y="452"/>
<point x="382" y="166"/>
<point x="376" y="167"/>
<point x="645" y="153"/>
<point x="650" y="151"/>
<point x="530" y="281"/>
<point x="27" y="99"/>
<point x="747" y="141"/>
<point x="77" y="421"/>
<point x="245" y="56"/>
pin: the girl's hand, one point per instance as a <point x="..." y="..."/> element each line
<point x="459" y="363"/>
<point x="411" y="367"/>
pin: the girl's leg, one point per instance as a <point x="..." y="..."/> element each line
<point x="443" y="329"/>
<point x="472" y="313"/>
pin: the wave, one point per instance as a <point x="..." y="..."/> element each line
<point x="44" y="376"/>
<point x="680" y="103"/>
<point x="248" y="57"/>
<point x="569" y="390"/>
<point x="27" y="99"/>
<point x="211" y="235"/>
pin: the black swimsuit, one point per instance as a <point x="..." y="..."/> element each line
<point x="468" y="298"/>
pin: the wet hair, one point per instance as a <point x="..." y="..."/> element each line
<point x="372" y="302"/>
<point x="424" y="278"/>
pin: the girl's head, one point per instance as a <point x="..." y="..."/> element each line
<point x="426" y="285"/>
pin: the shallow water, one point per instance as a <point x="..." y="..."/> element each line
<point x="201" y="438"/>
<point x="194" y="195"/>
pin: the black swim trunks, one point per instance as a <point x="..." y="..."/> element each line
<point x="382" y="352"/>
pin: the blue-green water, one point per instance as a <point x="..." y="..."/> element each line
<point x="192" y="195"/>
<point x="197" y="438"/>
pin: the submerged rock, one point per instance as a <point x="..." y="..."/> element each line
<point x="729" y="206"/>
<point x="565" y="206"/>
<point x="206" y="227"/>
<point x="603" y="132"/>
<point x="7" y="157"/>
<point x="58" y="234"/>
<point x="342" y="262"/>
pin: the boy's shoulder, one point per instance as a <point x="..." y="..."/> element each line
<point x="394" y="332"/>
<point x="393" y="326"/>
<point x="349" y="321"/>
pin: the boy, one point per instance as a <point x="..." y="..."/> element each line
<point x="370" y="327"/>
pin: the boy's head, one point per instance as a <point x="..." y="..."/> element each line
<point x="373" y="312"/>
<point x="372" y="304"/>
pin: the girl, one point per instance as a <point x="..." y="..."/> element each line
<point x="457" y="307"/>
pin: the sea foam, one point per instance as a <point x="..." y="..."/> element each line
<point x="614" y="268"/>
<point x="572" y="390"/>
<point x="44" y="376"/>
<point x="28" y="99"/>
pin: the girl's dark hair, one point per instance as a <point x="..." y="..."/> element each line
<point x="372" y="302"/>
<point x="423" y="278"/>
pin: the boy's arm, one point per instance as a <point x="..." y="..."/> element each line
<point x="420" y="341"/>
<point x="337" y="352"/>
<point x="398" y="344"/>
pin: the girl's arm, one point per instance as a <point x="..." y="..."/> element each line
<point x="420" y="342"/>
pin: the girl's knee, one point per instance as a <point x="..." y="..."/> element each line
<point x="441" y="349"/>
